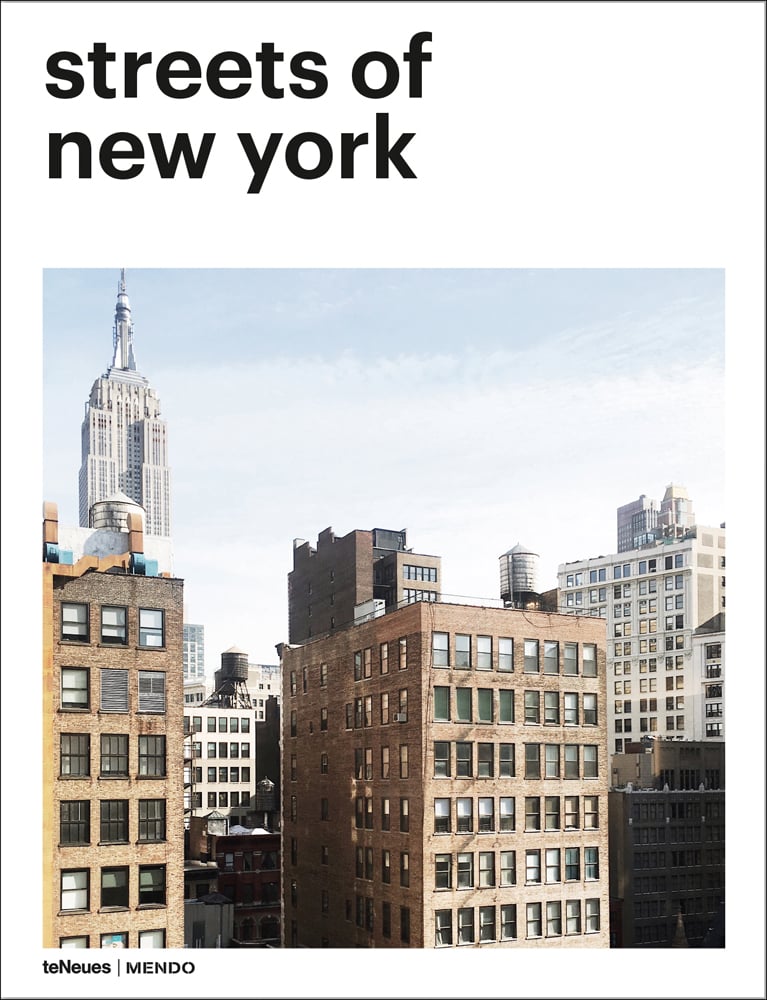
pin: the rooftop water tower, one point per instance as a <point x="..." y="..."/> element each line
<point x="519" y="577"/>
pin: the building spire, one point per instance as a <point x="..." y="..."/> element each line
<point x="122" y="335"/>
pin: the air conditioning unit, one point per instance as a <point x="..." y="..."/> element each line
<point x="400" y="716"/>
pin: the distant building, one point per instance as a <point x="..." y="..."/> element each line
<point x="124" y="439"/>
<point x="445" y="781"/>
<point x="194" y="652"/>
<point x="655" y="600"/>
<point x="641" y="522"/>
<point x="667" y="845"/>
<point x="328" y="583"/>
<point x="112" y="742"/>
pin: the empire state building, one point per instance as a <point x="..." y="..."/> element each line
<point x="124" y="440"/>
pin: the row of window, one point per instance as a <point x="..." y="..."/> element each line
<point x="476" y="652"/>
<point x="468" y="705"/>
<point x="113" y="690"/>
<point x="428" y="574"/>
<point x="459" y="760"/>
<point x="223" y="800"/>
<point x="623" y="570"/>
<point x="364" y="912"/>
<point x="221" y="750"/>
<point x="478" y="924"/>
<point x="113" y="625"/>
<point x="221" y="724"/>
<point x="75" y="756"/>
<point x="458" y="815"/>
<point x="114" y="821"/>
<point x="118" y="939"/>
<point x="488" y="869"/>
<point x="114" y="888"/>
<point x="224" y="775"/>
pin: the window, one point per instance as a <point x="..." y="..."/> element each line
<point x="572" y="819"/>
<point x="590" y="764"/>
<point x="114" y="821"/>
<point x="74" y="622"/>
<point x="114" y="628"/>
<point x="151" y="939"/>
<point x="506" y="655"/>
<point x="443" y="871"/>
<point x="506" y="760"/>
<point x="589" y="659"/>
<point x="553" y="918"/>
<point x="531" y="656"/>
<point x="465" y="871"/>
<point x="75" y="889"/>
<point x="442" y="815"/>
<point x="151" y="627"/>
<point x="114" y="940"/>
<point x="443" y="928"/>
<point x="573" y="916"/>
<point x="324" y="809"/>
<point x="151" y="885"/>
<point x="532" y="812"/>
<point x="508" y="868"/>
<point x="151" y="691"/>
<point x="551" y="707"/>
<point x="532" y="707"/>
<point x="550" y="657"/>
<point x="114" y="888"/>
<point x="484" y="652"/>
<point x="440" y="646"/>
<point x="485" y="815"/>
<point x="485" y="760"/>
<point x="211" y="724"/>
<point x="386" y="814"/>
<point x="509" y="922"/>
<point x="464" y="815"/>
<point x="592" y="916"/>
<point x="403" y="654"/>
<point x="532" y="760"/>
<point x="151" y="820"/>
<point x="591" y="862"/>
<point x="533" y="920"/>
<point x="572" y="767"/>
<point x="486" y="869"/>
<point x="75" y="822"/>
<point x="323" y="720"/>
<point x="552" y="760"/>
<point x="151" y="756"/>
<point x="486" y="923"/>
<point x="404" y="924"/>
<point x="74" y="688"/>
<point x="441" y="704"/>
<point x="463" y="710"/>
<point x="385" y="768"/>
<point x="404" y="869"/>
<point x="442" y="759"/>
<point x="75" y="755"/>
<point x="466" y="925"/>
<point x="403" y="761"/>
<point x="114" y="756"/>
<point x="404" y="815"/>
<point x="463" y="652"/>
<point x="383" y="651"/>
<point x="464" y="765"/>
<point x="571" y="659"/>
<point x="553" y="867"/>
<point x="505" y="705"/>
<point x="552" y="812"/>
<point x="506" y="815"/>
<point x="572" y="864"/>
<point x="589" y="709"/>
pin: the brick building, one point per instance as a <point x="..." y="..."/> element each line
<point x="445" y="781"/>
<point x="329" y="581"/>
<point x="112" y="741"/>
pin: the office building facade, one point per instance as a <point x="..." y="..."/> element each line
<point x="445" y="781"/>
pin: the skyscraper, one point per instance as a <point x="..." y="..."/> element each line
<point x="194" y="652"/>
<point x="124" y="441"/>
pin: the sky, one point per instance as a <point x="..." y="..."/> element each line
<point x="476" y="408"/>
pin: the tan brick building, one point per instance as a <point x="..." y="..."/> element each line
<point x="113" y="834"/>
<point x="445" y="781"/>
